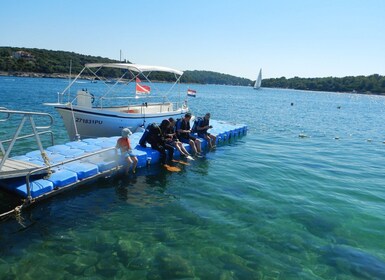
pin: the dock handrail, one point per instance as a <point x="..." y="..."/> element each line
<point x="39" y="170"/>
<point x="8" y="115"/>
<point x="25" y="116"/>
<point x="14" y="112"/>
<point x="30" y="135"/>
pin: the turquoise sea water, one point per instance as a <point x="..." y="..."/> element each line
<point x="300" y="197"/>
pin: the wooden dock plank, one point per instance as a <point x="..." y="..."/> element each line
<point x="16" y="168"/>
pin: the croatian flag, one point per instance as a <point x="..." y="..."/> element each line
<point x="191" y="92"/>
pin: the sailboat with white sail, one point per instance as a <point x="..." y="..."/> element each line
<point x="258" y="82"/>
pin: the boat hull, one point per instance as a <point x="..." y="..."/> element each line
<point x="94" y="122"/>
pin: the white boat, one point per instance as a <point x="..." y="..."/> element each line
<point x="83" y="119"/>
<point x="258" y="82"/>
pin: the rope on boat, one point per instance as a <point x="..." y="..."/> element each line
<point x="19" y="218"/>
<point x="75" y="125"/>
<point x="15" y="213"/>
<point x="47" y="163"/>
<point x="7" y="214"/>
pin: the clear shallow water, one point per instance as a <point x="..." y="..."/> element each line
<point x="271" y="205"/>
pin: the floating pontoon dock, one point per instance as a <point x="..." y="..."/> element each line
<point x="42" y="173"/>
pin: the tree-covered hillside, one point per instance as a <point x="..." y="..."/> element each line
<point x="14" y="61"/>
<point x="43" y="61"/>
<point x="19" y="61"/>
<point x="209" y="77"/>
<point x="362" y="84"/>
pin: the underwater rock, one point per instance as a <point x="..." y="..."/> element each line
<point x="138" y="263"/>
<point x="227" y="275"/>
<point x="238" y="266"/>
<point x="80" y="263"/>
<point x="165" y="234"/>
<point x="129" y="248"/>
<point x="315" y="224"/>
<point x="173" y="266"/>
<point x="5" y="270"/>
<point x="90" y="271"/>
<point x="354" y="261"/>
<point x="127" y="251"/>
<point x="104" y="266"/>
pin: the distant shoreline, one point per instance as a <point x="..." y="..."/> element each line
<point x="61" y="76"/>
<point x="42" y="63"/>
<point x="34" y="75"/>
<point x="67" y="76"/>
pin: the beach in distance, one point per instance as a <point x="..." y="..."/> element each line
<point x="301" y="196"/>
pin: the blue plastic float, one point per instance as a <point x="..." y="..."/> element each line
<point x="82" y="168"/>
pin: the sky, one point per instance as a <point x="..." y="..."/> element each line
<point x="286" y="38"/>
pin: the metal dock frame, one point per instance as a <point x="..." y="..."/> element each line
<point x="22" y="169"/>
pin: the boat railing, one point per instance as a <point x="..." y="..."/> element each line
<point x="104" y="101"/>
<point x="107" y="101"/>
<point x="49" y="167"/>
<point x="165" y="105"/>
<point x="135" y="105"/>
<point x="37" y="130"/>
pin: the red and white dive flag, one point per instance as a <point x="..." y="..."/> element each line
<point x="141" y="89"/>
<point x="191" y="92"/>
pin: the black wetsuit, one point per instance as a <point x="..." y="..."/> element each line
<point x="203" y="123"/>
<point x="185" y="136"/>
<point x="158" y="143"/>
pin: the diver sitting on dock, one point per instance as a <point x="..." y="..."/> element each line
<point x="184" y="135"/>
<point x="170" y="136"/>
<point x="157" y="142"/>
<point x="124" y="145"/>
<point x="202" y="128"/>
